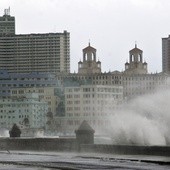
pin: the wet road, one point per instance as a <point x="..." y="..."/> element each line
<point x="76" y="161"/>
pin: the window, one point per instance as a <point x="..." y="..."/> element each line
<point x="21" y="91"/>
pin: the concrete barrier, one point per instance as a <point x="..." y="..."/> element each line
<point x="70" y="145"/>
<point x="38" y="144"/>
<point x="127" y="149"/>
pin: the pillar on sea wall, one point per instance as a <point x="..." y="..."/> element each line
<point x="15" y="131"/>
<point x="85" y="134"/>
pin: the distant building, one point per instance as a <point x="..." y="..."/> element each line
<point x="25" y="111"/>
<point x="47" y="94"/>
<point x="7" y="24"/>
<point x="136" y="64"/>
<point x="135" y="85"/>
<point x="9" y="81"/>
<point x="93" y="103"/>
<point x="89" y="72"/>
<point x="136" y="81"/>
<point x="89" y="64"/>
<point x="166" y="55"/>
<point x="26" y="53"/>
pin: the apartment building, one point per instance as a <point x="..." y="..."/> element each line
<point x="47" y="94"/>
<point x="93" y="103"/>
<point x="26" y="53"/>
<point x="166" y="54"/>
<point x="26" y="111"/>
<point x="9" y="81"/>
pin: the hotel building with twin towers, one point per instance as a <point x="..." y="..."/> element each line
<point x="40" y="63"/>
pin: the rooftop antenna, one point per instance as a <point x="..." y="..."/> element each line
<point x="4" y="11"/>
<point x="7" y="11"/>
<point x="89" y="42"/>
<point x="135" y="44"/>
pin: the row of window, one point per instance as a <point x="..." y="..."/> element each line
<point x="144" y="78"/>
<point x="75" y="102"/>
<point x="13" y="117"/>
<point x="94" y="122"/>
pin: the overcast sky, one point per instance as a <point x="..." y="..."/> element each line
<point x="112" y="26"/>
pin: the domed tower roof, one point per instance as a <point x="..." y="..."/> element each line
<point x="136" y="65"/>
<point x="80" y="62"/>
<point x="136" y="50"/>
<point x="89" y="48"/>
<point x="89" y="63"/>
<point x="85" y="127"/>
<point x="126" y="63"/>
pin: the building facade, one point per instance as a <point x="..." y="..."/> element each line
<point x="135" y="85"/>
<point x="46" y="94"/>
<point x="89" y="64"/>
<point x="25" y="111"/>
<point x="26" y="53"/>
<point x="136" y="64"/>
<point x="166" y="55"/>
<point x="136" y="80"/>
<point x="93" y="103"/>
<point x="9" y="81"/>
<point x="7" y="24"/>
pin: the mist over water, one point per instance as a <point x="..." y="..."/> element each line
<point x="4" y="132"/>
<point x="143" y="121"/>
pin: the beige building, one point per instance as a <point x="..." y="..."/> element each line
<point x="135" y="85"/>
<point x="94" y="103"/>
<point x="135" y="79"/>
<point x="136" y="64"/>
<point x="89" y="64"/>
<point x="46" y="94"/>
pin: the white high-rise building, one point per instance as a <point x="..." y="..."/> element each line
<point x="26" y="53"/>
<point x="166" y="54"/>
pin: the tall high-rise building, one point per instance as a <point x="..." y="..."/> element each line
<point x="166" y="54"/>
<point x="26" y="53"/>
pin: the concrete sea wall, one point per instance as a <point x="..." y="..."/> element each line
<point x="127" y="149"/>
<point x="38" y="144"/>
<point x="71" y="145"/>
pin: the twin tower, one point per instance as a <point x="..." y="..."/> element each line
<point x="91" y="66"/>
